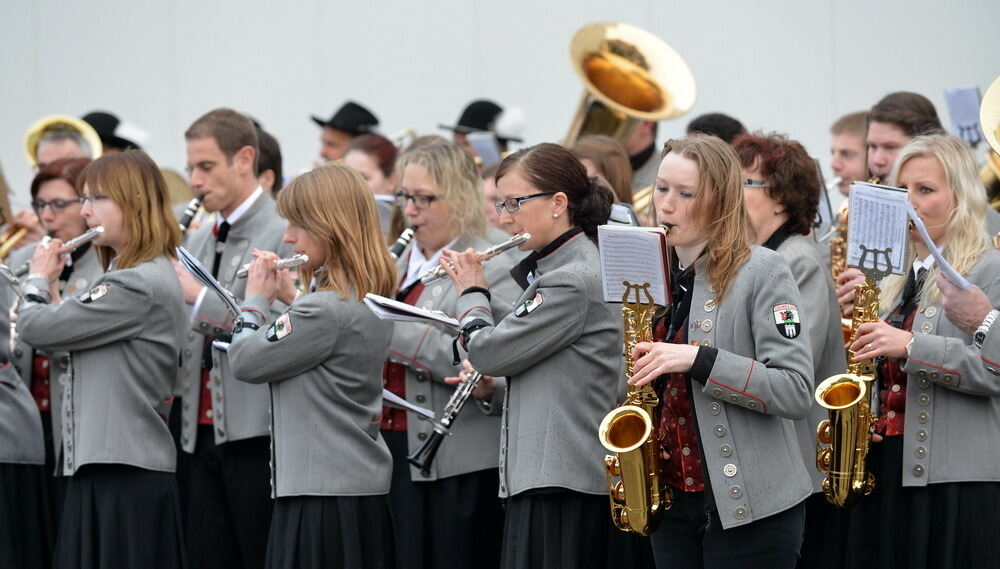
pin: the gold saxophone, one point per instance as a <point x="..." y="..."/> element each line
<point x="842" y="440"/>
<point x="638" y="497"/>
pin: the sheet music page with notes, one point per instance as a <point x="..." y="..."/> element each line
<point x="878" y="216"/>
<point x="637" y="255"/>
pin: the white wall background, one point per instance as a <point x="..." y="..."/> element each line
<point x="786" y="65"/>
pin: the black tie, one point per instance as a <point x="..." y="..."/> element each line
<point x="914" y="282"/>
<point x="220" y="244"/>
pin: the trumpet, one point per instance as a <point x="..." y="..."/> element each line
<point x="404" y="239"/>
<point x="438" y="272"/>
<point x="290" y="262"/>
<point x="189" y="214"/>
<point x="70" y="246"/>
<point x="424" y="456"/>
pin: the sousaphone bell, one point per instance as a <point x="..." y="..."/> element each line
<point x="56" y="123"/>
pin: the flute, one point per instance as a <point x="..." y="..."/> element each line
<point x="404" y="239"/>
<point x="438" y="272"/>
<point x="69" y="246"/>
<point x="424" y="456"/>
<point x="290" y="262"/>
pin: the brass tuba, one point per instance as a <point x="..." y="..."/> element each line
<point x="629" y="75"/>
<point x="60" y="123"/>
<point x="638" y="497"/>
<point x="842" y="440"/>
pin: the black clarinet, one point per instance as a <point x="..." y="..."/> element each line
<point x="424" y="456"/>
<point x="189" y="214"/>
<point x="404" y="239"/>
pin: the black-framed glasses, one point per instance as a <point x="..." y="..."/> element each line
<point x="58" y="205"/>
<point x="92" y="199"/>
<point x="419" y="201"/>
<point x="514" y="204"/>
<point x="751" y="183"/>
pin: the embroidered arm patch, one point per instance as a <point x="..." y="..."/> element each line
<point x="786" y="319"/>
<point x="280" y="329"/>
<point x="95" y="293"/>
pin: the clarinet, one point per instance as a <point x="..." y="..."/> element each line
<point x="15" y="285"/>
<point x="290" y="262"/>
<point x="189" y="214"/>
<point x="70" y="246"/>
<point x="438" y="272"/>
<point x="424" y="456"/>
<point x="404" y="239"/>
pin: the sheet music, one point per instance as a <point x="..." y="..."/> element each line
<point x="947" y="270"/>
<point x="389" y="309"/>
<point x="392" y="400"/>
<point x="963" y="106"/>
<point x="878" y="221"/>
<point x="636" y="255"/>
<point x="201" y="273"/>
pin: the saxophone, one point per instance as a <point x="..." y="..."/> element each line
<point x="842" y="440"/>
<point x="638" y="497"/>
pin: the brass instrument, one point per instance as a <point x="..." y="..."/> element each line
<point x="842" y="440"/>
<point x="404" y="239"/>
<point x="629" y="75"/>
<point x="69" y="246"/>
<point x="60" y="123"/>
<point x="289" y="263"/>
<point x="638" y="497"/>
<point x="438" y="272"/>
<point x="10" y="238"/>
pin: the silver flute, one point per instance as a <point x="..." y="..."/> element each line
<point x="290" y="262"/>
<point x="404" y="239"/>
<point x="438" y="272"/>
<point x="70" y="246"/>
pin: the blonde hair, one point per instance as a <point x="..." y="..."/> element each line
<point x="718" y="205"/>
<point x="334" y="205"/>
<point x="455" y="174"/>
<point x="134" y="183"/>
<point x="966" y="230"/>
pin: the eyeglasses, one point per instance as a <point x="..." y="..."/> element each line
<point x="419" y="201"/>
<point x="57" y="205"/>
<point x="751" y="183"/>
<point x="514" y="204"/>
<point x="92" y="199"/>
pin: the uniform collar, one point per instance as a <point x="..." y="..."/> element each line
<point x="523" y="272"/>
<point x="241" y="209"/>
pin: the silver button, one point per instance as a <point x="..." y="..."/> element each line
<point x="926" y="328"/>
<point x="930" y="312"/>
<point x="895" y="388"/>
<point x="735" y="492"/>
<point x="706" y="343"/>
<point x="891" y="414"/>
<point x="689" y="481"/>
<point x="740" y="513"/>
<point x="673" y="391"/>
<point x="922" y="374"/>
<point x="918" y="470"/>
<point x="686" y="451"/>
<point x="733" y="398"/>
<point x="421" y="398"/>
<point x="934" y="376"/>
<point x="920" y="452"/>
<point x="726" y="451"/>
<point x="681" y="421"/>
<point x="428" y="305"/>
<point x="717" y="393"/>
<point x="422" y="436"/>
<point x="234" y="261"/>
<point x="948" y="379"/>
<point x="706" y="325"/>
<point x="924" y="382"/>
<point x="924" y="399"/>
<point x="922" y="435"/>
<point x="714" y="408"/>
<point x="752" y="404"/>
<point x="436" y="291"/>
<point x="923" y="417"/>
<point x="719" y="430"/>
<point x="729" y="470"/>
<point x="710" y="305"/>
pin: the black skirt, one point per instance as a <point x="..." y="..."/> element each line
<point x="452" y="523"/>
<point x="941" y="526"/>
<point x="25" y="526"/>
<point x="556" y="528"/>
<point x="330" y="532"/>
<point x="119" y="516"/>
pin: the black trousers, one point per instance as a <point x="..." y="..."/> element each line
<point x="55" y="484"/>
<point x="691" y="537"/>
<point x="228" y="502"/>
<point x="451" y="523"/>
<point x="25" y="528"/>
<point x="553" y="527"/>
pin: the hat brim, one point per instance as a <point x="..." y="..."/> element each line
<point x="319" y="121"/>
<point x="466" y="130"/>
<point x="119" y="142"/>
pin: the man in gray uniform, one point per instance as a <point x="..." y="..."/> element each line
<point x="973" y="313"/>
<point x="224" y="422"/>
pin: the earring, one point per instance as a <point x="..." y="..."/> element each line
<point x="555" y="215"/>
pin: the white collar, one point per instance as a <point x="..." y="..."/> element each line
<point x="241" y="209"/>
<point x="418" y="264"/>
<point x="925" y="263"/>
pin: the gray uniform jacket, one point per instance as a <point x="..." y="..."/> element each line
<point x="87" y="269"/>
<point x="561" y="351"/>
<point x="991" y="350"/>
<point x="239" y="410"/>
<point x="952" y="424"/>
<point x="123" y="337"/>
<point x="322" y="359"/>
<point x="645" y="175"/>
<point x="760" y="379"/>
<point x="426" y="352"/>
<point x="21" y="439"/>
<point x="820" y="315"/>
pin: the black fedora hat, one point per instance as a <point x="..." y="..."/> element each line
<point x="478" y="116"/>
<point x="351" y="118"/>
<point x="106" y="125"/>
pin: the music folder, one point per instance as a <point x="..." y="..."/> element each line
<point x="637" y="255"/>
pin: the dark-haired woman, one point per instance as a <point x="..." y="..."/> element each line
<point x="781" y="193"/>
<point x="561" y="353"/>
<point x="121" y="507"/>
<point x="733" y="366"/>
